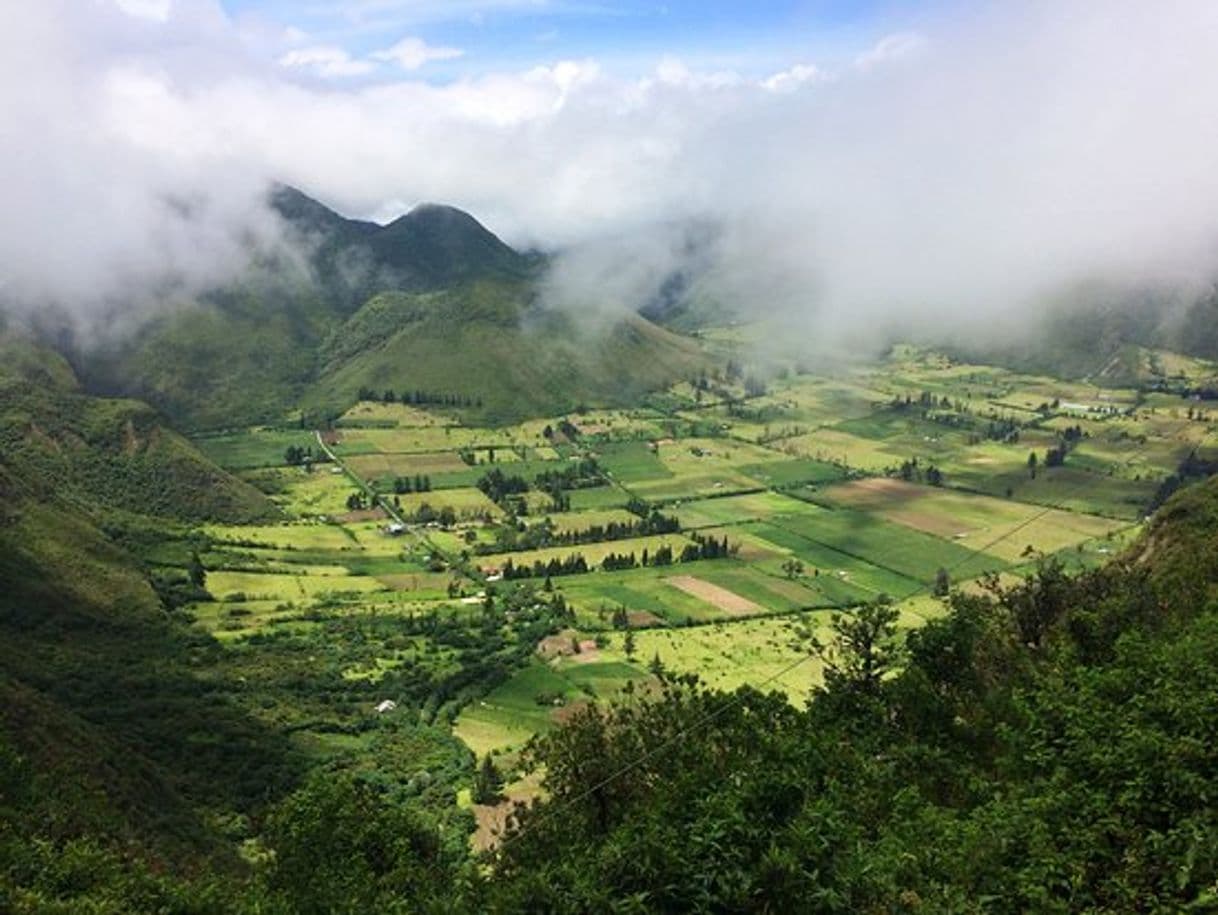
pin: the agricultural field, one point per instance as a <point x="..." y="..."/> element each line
<point x="489" y="582"/>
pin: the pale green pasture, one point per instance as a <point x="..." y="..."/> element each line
<point x="694" y="486"/>
<point x="321" y="492"/>
<point x="302" y="536"/>
<point x="841" y="447"/>
<point x="259" y="586"/>
<point x="565" y="522"/>
<point x="593" y="553"/>
<point x="729" y="655"/>
<point x="466" y="503"/>
<point x="734" y="509"/>
<point x="694" y="456"/>
<point x="371" y="466"/>
<point x="397" y="414"/>
<point x="421" y="439"/>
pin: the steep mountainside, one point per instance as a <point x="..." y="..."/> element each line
<point x="432" y="301"/>
<point x="109" y="742"/>
<point x="103" y="455"/>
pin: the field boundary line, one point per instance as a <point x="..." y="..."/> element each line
<point x="733" y="701"/>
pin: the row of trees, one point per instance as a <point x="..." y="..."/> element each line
<point x="418" y="483"/>
<point x="296" y="455"/>
<point x="911" y="471"/>
<point x="420" y="398"/>
<point x="543" y="533"/>
<point x="703" y="547"/>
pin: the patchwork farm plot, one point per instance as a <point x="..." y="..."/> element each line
<point x="487" y="582"/>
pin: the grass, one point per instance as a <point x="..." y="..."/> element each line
<point x="593" y="553"/>
<point x="734" y="509"/>
<point x="253" y="448"/>
<point x="630" y="462"/>
<point x="1002" y="528"/>
<point x="729" y="655"/>
<point x="466" y="503"/>
<point x="263" y="586"/>
<point x="309" y="536"/>
<point x="583" y="520"/>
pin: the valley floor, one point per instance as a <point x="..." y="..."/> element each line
<point x="442" y="589"/>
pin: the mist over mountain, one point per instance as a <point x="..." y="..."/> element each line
<point x="959" y="170"/>
<point x="432" y="302"/>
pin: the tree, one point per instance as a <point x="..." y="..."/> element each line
<point x="793" y="568"/>
<point x="943" y="583"/>
<point x="620" y="619"/>
<point x="863" y="650"/>
<point x="339" y="846"/>
<point x="488" y="782"/>
<point x="1032" y="462"/>
<point x="196" y="572"/>
<point x="628" y="643"/>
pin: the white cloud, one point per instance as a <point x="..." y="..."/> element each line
<point x="157" y="10"/>
<point x="673" y="71"/>
<point x="326" y="60"/>
<point x="890" y="48"/>
<point x="793" y="77"/>
<point x="1012" y="150"/>
<point x="411" y="53"/>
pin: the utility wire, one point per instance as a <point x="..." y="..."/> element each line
<point x="735" y="699"/>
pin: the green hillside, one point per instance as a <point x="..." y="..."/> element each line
<point x="487" y="342"/>
<point x="432" y="302"/>
<point x="100" y="455"/>
<point x="110" y="743"/>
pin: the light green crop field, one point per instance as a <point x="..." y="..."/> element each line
<point x="255" y="447"/>
<point x="405" y="440"/>
<point x="734" y="509"/>
<point x="310" y="536"/>
<point x="536" y="699"/>
<point x="259" y="586"/>
<point x="730" y="655"/>
<point x="302" y="494"/>
<point x="610" y="425"/>
<point x="971" y="520"/>
<point x="565" y="522"/>
<point x="391" y="414"/>
<point x="629" y="462"/>
<point x="466" y="503"/>
<point x="371" y="466"/>
<point x="598" y="497"/>
<point x="695" y="486"/>
<point x="593" y="553"/>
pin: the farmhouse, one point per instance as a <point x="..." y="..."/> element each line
<point x="385" y="705"/>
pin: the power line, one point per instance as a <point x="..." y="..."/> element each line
<point x="735" y="700"/>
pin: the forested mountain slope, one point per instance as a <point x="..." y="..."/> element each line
<point x="431" y="302"/>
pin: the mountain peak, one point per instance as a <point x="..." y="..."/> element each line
<point x="430" y="246"/>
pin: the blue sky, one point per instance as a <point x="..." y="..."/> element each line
<point x="748" y="36"/>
